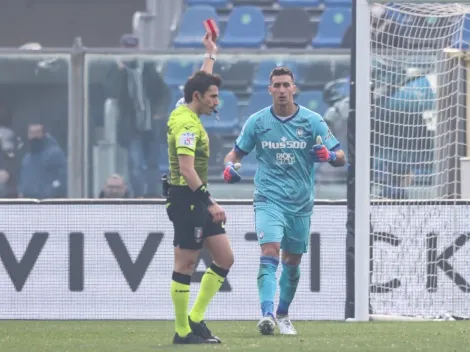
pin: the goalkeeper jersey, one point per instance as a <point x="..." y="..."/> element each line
<point x="187" y="136"/>
<point x="286" y="172"/>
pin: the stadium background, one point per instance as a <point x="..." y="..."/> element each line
<point x="256" y="35"/>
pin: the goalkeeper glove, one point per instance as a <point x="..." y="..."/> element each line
<point x="320" y="152"/>
<point x="230" y="173"/>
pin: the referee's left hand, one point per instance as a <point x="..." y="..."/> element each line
<point x="218" y="213"/>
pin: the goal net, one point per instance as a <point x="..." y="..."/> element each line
<point x="419" y="259"/>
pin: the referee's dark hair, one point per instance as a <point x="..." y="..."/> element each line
<point x="200" y="82"/>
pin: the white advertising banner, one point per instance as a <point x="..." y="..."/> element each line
<point x="114" y="261"/>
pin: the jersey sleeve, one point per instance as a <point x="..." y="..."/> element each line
<point x="328" y="139"/>
<point x="186" y="138"/>
<point x="245" y="142"/>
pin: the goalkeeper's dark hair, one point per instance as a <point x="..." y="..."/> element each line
<point x="200" y="82"/>
<point x="281" y="71"/>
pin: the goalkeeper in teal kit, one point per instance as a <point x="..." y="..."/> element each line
<point x="289" y="139"/>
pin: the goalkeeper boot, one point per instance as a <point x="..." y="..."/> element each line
<point x="200" y="329"/>
<point x="190" y="339"/>
<point x="285" y="325"/>
<point x="266" y="325"/>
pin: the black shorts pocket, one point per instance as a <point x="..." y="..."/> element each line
<point x="198" y="215"/>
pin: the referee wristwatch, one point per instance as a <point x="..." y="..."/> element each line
<point x="210" y="56"/>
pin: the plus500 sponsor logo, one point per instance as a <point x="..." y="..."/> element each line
<point x="284" y="144"/>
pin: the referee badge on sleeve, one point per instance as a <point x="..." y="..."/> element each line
<point x="187" y="139"/>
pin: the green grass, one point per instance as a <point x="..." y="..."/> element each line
<point x="136" y="336"/>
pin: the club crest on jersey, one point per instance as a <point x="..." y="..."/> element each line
<point x="300" y="132"/>
<point x="187" y="139"/>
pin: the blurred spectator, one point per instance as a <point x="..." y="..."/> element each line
<point x="8" y="163"/>
<point x="143" y="104"/>
<point x="115" y="187"/>
<point x="336" y="95"/>
<point x="8" y="159"/>
<point x="44" y="167"/>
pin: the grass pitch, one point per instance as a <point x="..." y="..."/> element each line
<point x="137" y="336"/>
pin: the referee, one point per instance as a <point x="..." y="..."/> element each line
<point x="197" y="219"/>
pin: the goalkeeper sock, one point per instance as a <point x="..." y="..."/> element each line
<point x="267" y="283"/>
<point x="211" y="282"/>
<point x="180" y="297"/>
<point x="288" y="285"/>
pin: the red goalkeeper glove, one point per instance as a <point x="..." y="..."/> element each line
<point x="320" y="152"/>
<point x="230" y="173"/>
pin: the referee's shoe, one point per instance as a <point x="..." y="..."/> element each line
<point x="191" y="339"/>
<point x="200" y="329"/>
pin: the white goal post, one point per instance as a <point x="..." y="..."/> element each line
<point x="408" y="137"/>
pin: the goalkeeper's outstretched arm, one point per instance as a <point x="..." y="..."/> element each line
<point x="233" y="157"/>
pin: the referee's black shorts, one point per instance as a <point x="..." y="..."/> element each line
<point x="191" y="220"/>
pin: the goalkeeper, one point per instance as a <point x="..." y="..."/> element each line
<point x="197" y="219"/>
<point x="289" y="140"/>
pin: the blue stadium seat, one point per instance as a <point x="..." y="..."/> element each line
<point x="333" y="25"/>
<point x="177" y="72"/>
<point x="332" y="3"/>
<point x="228" y="114"/>
<point x="462" y="39"/>
<point x="261" y="80"/>
<point x="214" y="3"/>
<point x="191" y="29"/>
<point x="299" y="3"/>
<point x="258" y="100"/>
<point x="312" y="100"/>
<point x="245" y="28"/>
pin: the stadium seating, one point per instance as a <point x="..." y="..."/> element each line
<point x="462" y="38"/>
<point x="315" y="74"/>
<point x="253" y="2"/>
<point x="261" y="79"/>
<point x="214" y="3"/>
<point x="333" y="25"/>
<point x="258" y="101"/>
<point x="298" y="3"/>
<point x="227" y="113"/>
<point x="245" y="28"/>
<point x="332" y="3"/>
<point x="235" y="75"/>
<point x="284" y="34"/>
<point x="312" y="100"/>
<point x="177" y="72"/>
<point x="191" y="29"/>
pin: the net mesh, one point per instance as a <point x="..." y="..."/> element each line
<point x="418" y="136"/>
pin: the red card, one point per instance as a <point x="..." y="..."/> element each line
<point x="211" y="27"/>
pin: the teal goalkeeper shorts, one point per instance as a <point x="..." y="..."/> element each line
<point x="274" y="225"/>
